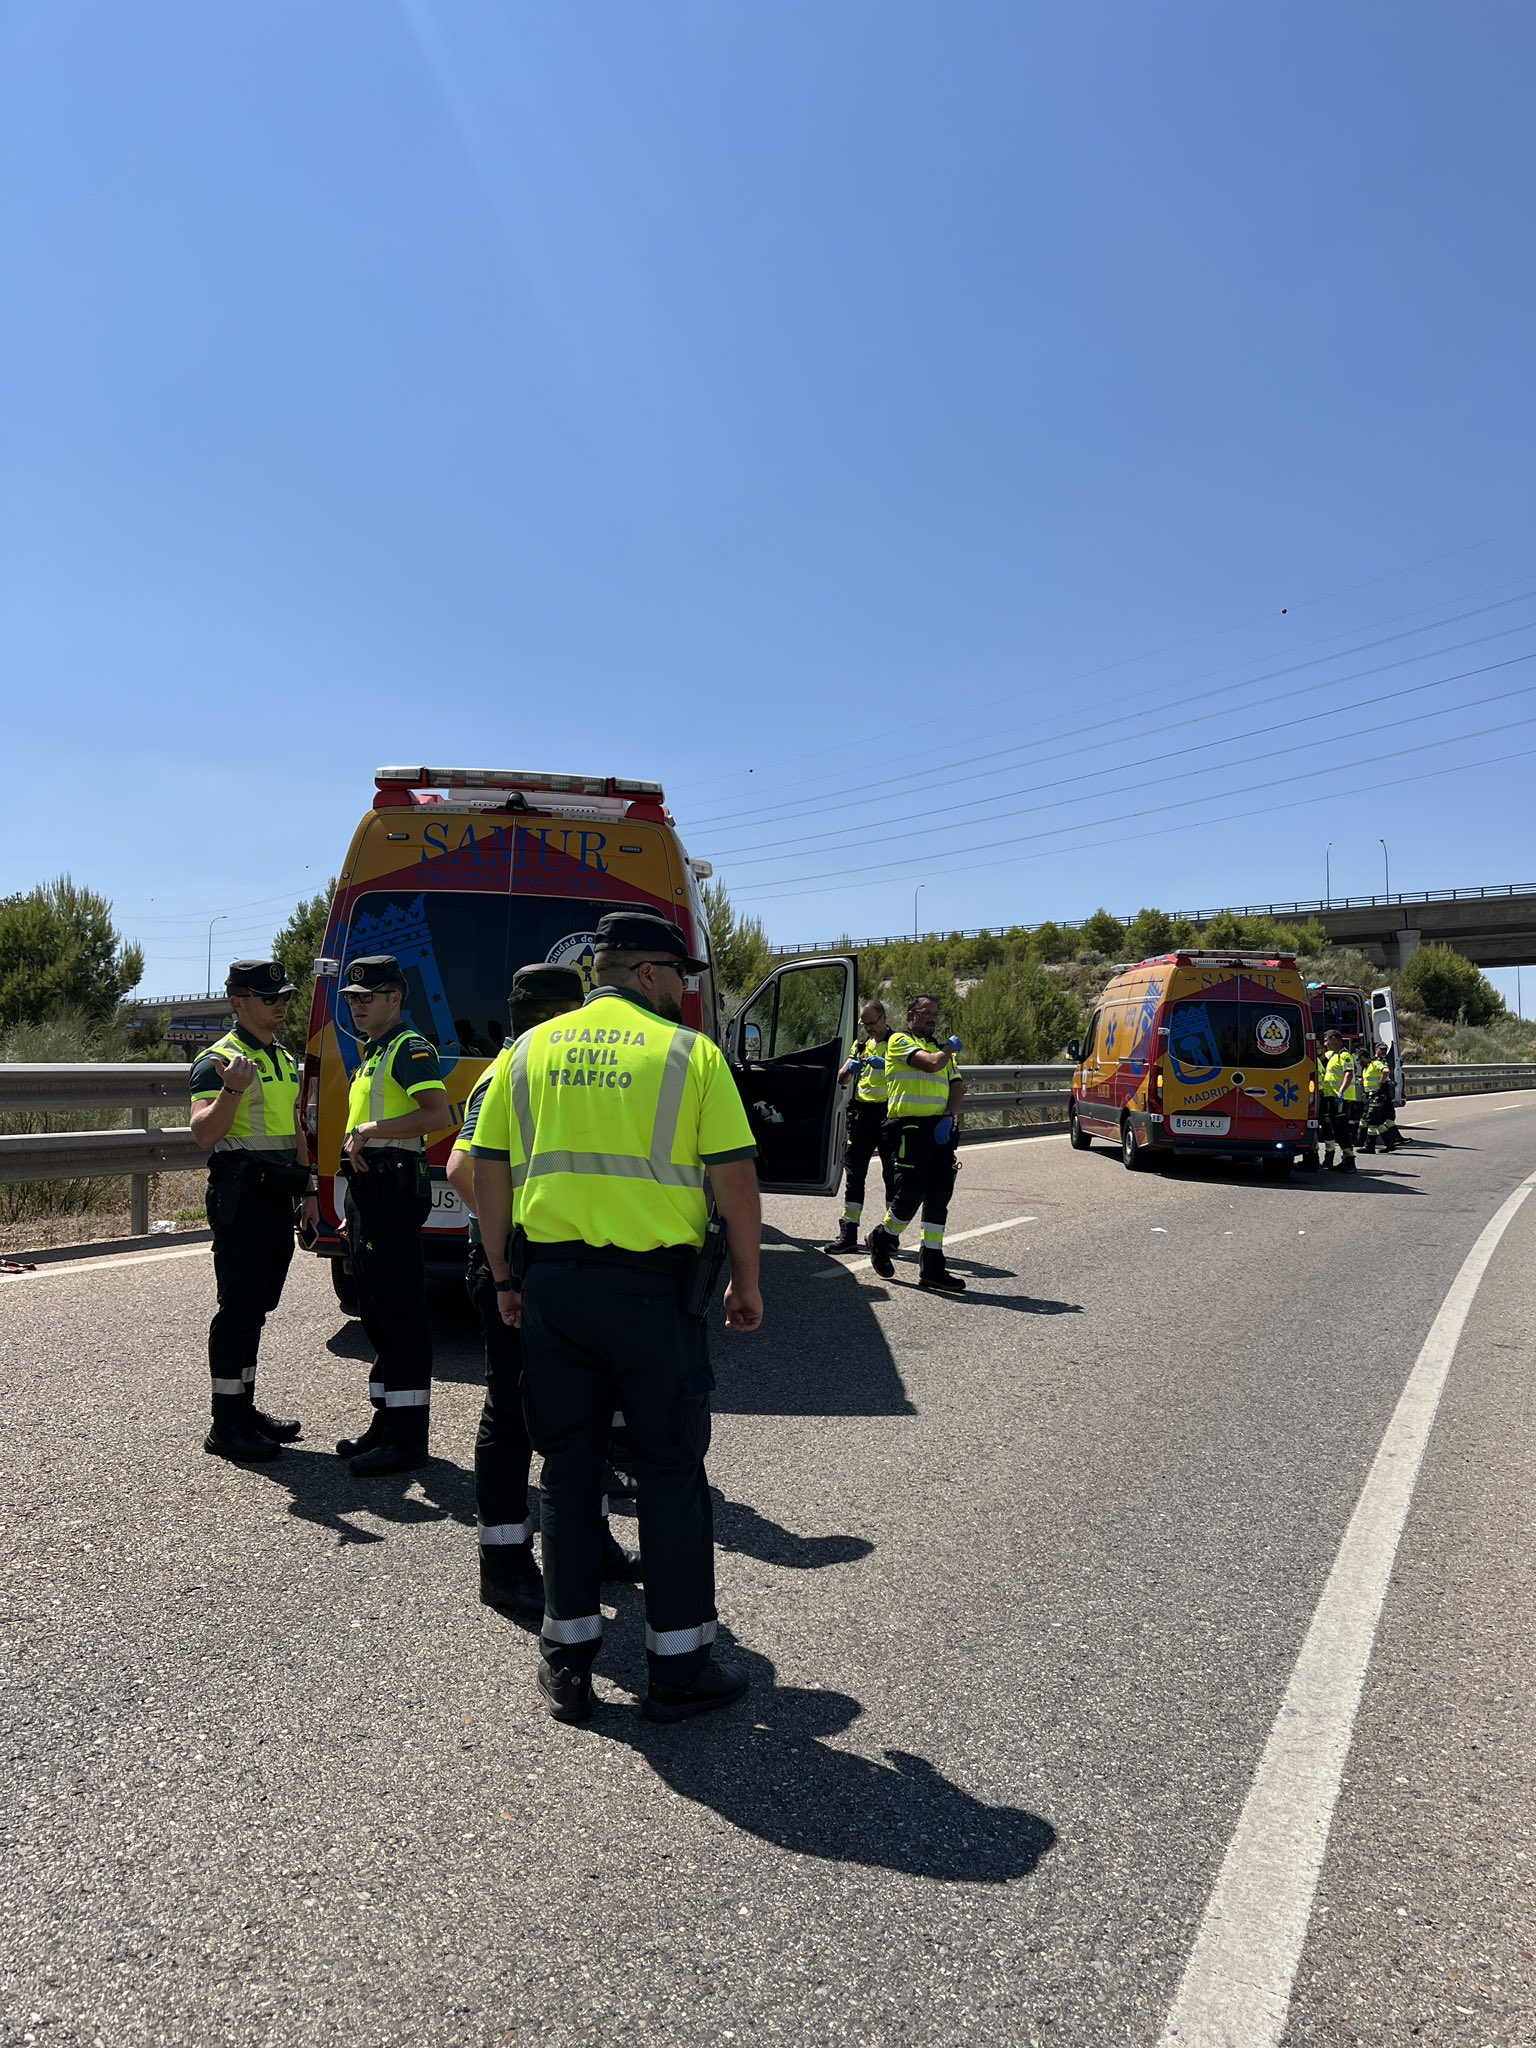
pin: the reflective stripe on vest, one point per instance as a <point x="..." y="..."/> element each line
<point x="657" y="1165"/>
<point x="264" y="1114"/>
<point x="873" y="1084"/>
<point x="376" y="1095"/>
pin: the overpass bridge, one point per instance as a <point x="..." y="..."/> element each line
<point x="1493" y="926"/>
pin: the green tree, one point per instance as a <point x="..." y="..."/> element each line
<point x="1102" y="933"/>
<point x="1017" y="1014"/>
<point x="1054" y="941"/>
<point x="59" y="950"/>
<point x="1446" y="985"/>
<point x="1149" y="932"/>
<point x="738" y="946"/>
<point x="297" y="946"/>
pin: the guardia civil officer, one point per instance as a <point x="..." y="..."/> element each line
<point x="245" y="1097"/>
<point x="610" y="1121"/>
<point x="866" y="1122"/>
<point x="509" y="1578"/>
<point x="924" y="1093"/>
<point x="1339" y="1094"/>
<point x="397" y="1097"/>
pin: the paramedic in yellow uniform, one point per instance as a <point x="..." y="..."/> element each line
<point x="866" y="1122"/>
<point x="924" y="1093"/>
<point x="606" y="1123"/>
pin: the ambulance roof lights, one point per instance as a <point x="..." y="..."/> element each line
<point x="515" y="778"/>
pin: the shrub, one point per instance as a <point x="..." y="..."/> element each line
<point x="1440" y="981"/>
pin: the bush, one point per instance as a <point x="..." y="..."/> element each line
<point x="60" y="951"/>
<point x="1102" y="933"/>
<point x="1441" y="982"/>
<point x="1017" y="1014"/>
<point x="1149" y="932"/>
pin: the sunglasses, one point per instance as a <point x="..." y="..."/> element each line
<point x="676" y="966"/>
<point x="258" y="996"/>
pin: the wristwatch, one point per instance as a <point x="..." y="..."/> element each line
<point x="506" y="1286"/>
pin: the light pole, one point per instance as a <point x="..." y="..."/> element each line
<point x="1328" y="875"/>
<point x="222" y="918"/>
<point x="1386" y="867"/>
<point x="915" y="894"/>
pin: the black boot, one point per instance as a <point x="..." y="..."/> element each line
<point x="232" y="1436"/>
<point x="1347" y="1163"/>
<point x="401" y="1447"/>
<point x="511" y="1582"/>
<point x="618" y="1562"/>
<point x="569" y="1693"/>
<point x="713" y="1685"/>
<point x="354" y="1446"/>
<point x="883" y="1246"/>
<point x="933" y="1273"/>
<point x="280" y="1431"/>
<point x="847" y="1239"/>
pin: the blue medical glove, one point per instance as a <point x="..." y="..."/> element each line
<point x="943" y="1130"/>
<point x="956" y="1045"/>
<point x="875" y="1061"/>
<point x="855" y="1067"/>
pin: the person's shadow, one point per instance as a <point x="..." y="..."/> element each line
<point x="763" y="1767"/>
<point x="322" y="1491"/>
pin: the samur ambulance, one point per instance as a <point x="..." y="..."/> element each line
<point x="1200" y="1052"/>
<point x="465" y="875"/>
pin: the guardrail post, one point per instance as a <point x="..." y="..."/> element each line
<point x="138" y="1183"/>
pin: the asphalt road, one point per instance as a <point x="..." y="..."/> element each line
<point x="1020" y="1580"/>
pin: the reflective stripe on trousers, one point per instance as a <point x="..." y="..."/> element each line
<point x="677" y="1642"/>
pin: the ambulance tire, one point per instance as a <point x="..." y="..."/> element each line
<point x="1079" y="1137"/>
<point x="344" y="1287"/>
<point x="1132" y="1158"/>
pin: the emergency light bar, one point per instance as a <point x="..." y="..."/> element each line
<point x="514" y="778"/>
<point x="1198" y="957"/>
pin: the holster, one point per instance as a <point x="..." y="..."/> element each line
<point x="704" y="1273"/>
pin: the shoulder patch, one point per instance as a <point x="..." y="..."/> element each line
<point x="424" y="1054"/>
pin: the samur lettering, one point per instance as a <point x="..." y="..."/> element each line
<point x="523" y="848"/>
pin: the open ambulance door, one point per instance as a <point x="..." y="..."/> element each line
<point x="1384" y="1031"/>
<point x="785" y="1045"/>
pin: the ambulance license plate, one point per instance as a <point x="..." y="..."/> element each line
<point x="1201" y="1126"/>
<point x="448" y="1212"/>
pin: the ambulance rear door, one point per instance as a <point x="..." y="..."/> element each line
<point x="1384" y="1031"/>
<point x="785" y="1045"/>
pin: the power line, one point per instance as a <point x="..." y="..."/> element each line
<point x="832" y="841"/>
<point x="907" y="868"/>
<point x="796" y="804"/>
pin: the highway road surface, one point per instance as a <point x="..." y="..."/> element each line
<point x="1142" y="1651"/>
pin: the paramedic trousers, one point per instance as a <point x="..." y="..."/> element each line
<point x="386" y="1208"/>
<point x="866" y="1129"/>
<point x="252" y="1249"/>
<point x="922" y="1171"/>
<point x="502" y="1449"/>
<point x="1341" y="1122"/>
<point x="605" y="1329"/>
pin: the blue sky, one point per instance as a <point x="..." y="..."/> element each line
<point x="862" y="418"/>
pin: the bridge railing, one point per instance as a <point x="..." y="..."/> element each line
<point x="1009" y="1098"/>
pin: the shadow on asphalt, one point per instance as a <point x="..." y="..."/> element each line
<point x="820" y="1350"/>
<point x="764" y="1768"/>
<point x="323" y="1491"/>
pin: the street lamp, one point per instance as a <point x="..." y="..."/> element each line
<point x="1386" y="867"/>
<point x="222" y="918"/>
<point x="1328" y="875"/>
<point x="915" y="894"/>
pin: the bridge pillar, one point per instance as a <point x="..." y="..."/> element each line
<point x="1407" y="946"/>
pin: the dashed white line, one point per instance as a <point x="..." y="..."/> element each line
<point x="118" y="1263"/>
<point x="1236" y="1988"/>
<point x="985" y="1230"/>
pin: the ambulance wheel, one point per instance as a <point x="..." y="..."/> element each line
<point x="344" y="1287"/>
<point x="1132" y="1157"/>
<point x="1080" y="1138"/>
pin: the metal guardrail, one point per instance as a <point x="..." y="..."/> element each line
<point x="136" y="1085"/>
<point x="141" y="1086"/>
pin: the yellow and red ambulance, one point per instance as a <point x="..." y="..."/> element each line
<point x="465" y="875"/>
<point x="1200" y="1052"/>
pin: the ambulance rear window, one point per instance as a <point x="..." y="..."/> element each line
<point x="1204" y="1037"/>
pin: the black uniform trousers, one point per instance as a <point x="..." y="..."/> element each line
<point x="386" y="1208"/>
<point x="605" y="1329"/>
<point x="252" y="1249"/>
<point x="923" y="1170"/>
<point x="1341" y="1122"/>
<point x="866" y="1137"/>
<point x="502" y="1448"/>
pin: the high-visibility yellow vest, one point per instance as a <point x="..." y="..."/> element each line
<point x="608" y="1117"/>
<point x="1377" y="1072"/>
<point x="375" y="1092"/>
<point x="1341" y="1077"/>
<point x="908" y="1092"/>
<point x="264" y="1113"/>
<point x="872" y="1076"/>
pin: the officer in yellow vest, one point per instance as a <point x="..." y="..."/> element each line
<point x="245" y="1096"/>
<point x="397" y="1098"/>
<point x="1379" y="1116"/>
<point x="607" y="1124"/>
<point x="1340" y="1097"/>
<point x="924" y="1093"/>
<point x="866" y="1122"/>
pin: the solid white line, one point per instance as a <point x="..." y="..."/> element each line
<point x="110" y="1265"/>
<point x="985" y="1230"/>
<point x="1236" y="1988"/>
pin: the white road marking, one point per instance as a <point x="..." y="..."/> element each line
<point x="1236" y="1988"/>
<point x="111" y="1265"/>
<point x="985" y="1230"/>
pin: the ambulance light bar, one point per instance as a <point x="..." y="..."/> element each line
<point x="515" y="778"/>
<point x="1198" y="957"/>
